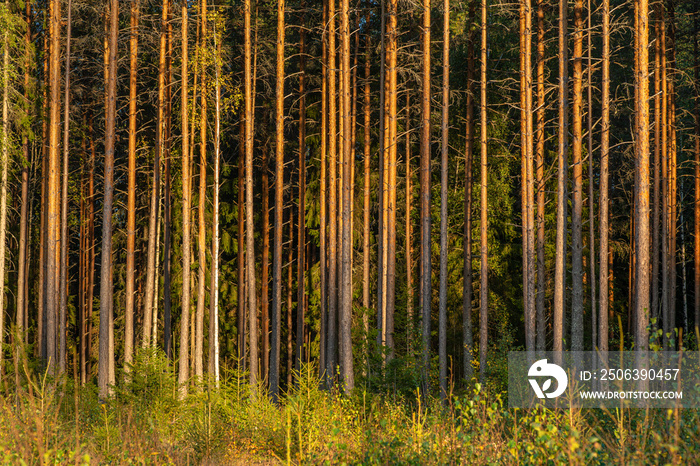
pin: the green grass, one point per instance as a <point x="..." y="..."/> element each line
<point x="145" y="423"/>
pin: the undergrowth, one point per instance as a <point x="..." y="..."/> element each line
<point x="52" y="421"/>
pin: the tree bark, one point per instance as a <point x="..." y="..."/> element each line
<point x="642" y="170"/>
<point x="106" y="354"/>
<point x="541" y="323"/>
<point x="183" y="364"/>
<point x="131" y="192"/>
<point x="483" y="227"/>
<point x="563" y="130"/>
<point x="468" y="286"/>
<point x="605" y="252"/>
<point x="345" y="308"/>
<point x="442" y="324"/>
<point x="250" y="244"/>
<point x="577" y="197"/>
<point x="301" y="234"/>
<point x="425" y="267"/>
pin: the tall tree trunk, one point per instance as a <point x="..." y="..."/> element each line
<point x="290" y="259"/>
<point x="563" y="131"/>
<point x="425" y="267"/>
<point x="656" y="212"/>
<point x="672" y="168"/>
<point x="240" y="324"/>
<point x="366" y="136"/>
<point x="345" y="309"/>
<point x="541" y="323"/>
<point x="577" y="198"/>
<point x="25" y="164"/>
<point x="483" y="227"/>
<point x="63" y="273"/>
<point x="696" y="206"/>
<point x="167" y="193"/>
<point x="323" y="336"/>
<point x="3" y="189"/>
<point x="591" y="183"/>
<point x="131" y="191"/>
<point x="202" y="233"/>
<point x="279" y="206"/>
<point x="183" y="364"/>
<point x="265" y="285"/>
<point x="301" y="235"/>
<point x="214" y="283"/>
<point x="468" y="286"/>
<point x="525" y="171"/>
<point x="331" y="335"/>
<point x="106" y="354"/>
<point x="53" y="193"/>
<point x="605" y="252"/>
<point x="664" y="180"/>
<point x="642" y="170"/>
<point x="442" y="324"/>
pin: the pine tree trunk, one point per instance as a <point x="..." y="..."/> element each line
<point x="468" y="286"/>
<point x="279" y="206"/>
<point x="323" y="334"/>
<point x="265" y="285"/>
<point x="131" y="192"/>
<point x="673" y="173"/>
<point x="442" y="324"/>
<point x="53" y="194"/>
<point x="63" y="271"/>
<point x="331" y="335"/>
<point x="240" y="324"/>
<point x="577" y="194"/>
<point x="605" y="252"/>
<point x="367" y="140"/>
<point x="201" y="226"/>
<point x="167" y="193"/>
<point x="301" y="235"/>
<point x="345" y="308"/>
<point x="3" y="189"/>
<point x="483" y="227"/>
<point x="106" y="353"/>
<point x="591" y="183"/>
<point x="250" y="250"/>
<point x="183" y="364"/>
<point x="563" y="130"/>
<point x="425" y="267"/>
<point x="541" y="323"/>
<point x="642" y="192"/>
<point x="214" y="282"/>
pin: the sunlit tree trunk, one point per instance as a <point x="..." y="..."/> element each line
<point x="301" y="234"/>
<point x="425" y="267"/>
<point x="366" y="136"/>
<point x="563" y="129"/>
<point x="483" y="227"/>
<point x="131" y="192"/>
<point x="591" y="183"/>
<point x="63" y="271"/>
<point x="605" y="252"/>
<point x="468" y="286"/>
<point x="442" y="324"/>
<point x="201" y="227"/>
<point x="331" y="334"/>
<point x="323" y="334"/>
<point x="345" y="308"/>
<point x="183" y="364"/>
<point x="672" y="171"/>
<point x="541" y="323"/>
<point x="167" y="193"/>
<point x="214" y="299"/>
<point x="577" y="198"/>
<point x="279" y="206"/>
<point x="642" y="192"/>
<point x="106" y="354"/>
<point x="3" y="189"/>
<point x="696" y="207"/>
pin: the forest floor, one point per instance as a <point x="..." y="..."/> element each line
<point x="145" y="423"/>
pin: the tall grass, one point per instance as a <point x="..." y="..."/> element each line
<point x="51" y="421"/>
